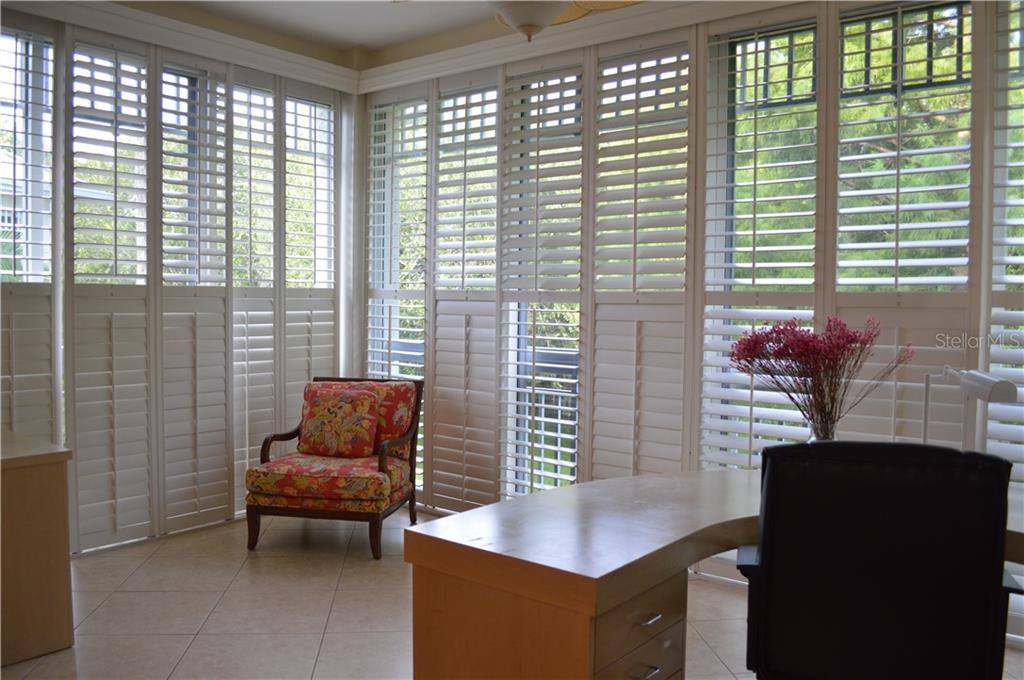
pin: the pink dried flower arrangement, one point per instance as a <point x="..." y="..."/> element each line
<point x="815" y="370"/>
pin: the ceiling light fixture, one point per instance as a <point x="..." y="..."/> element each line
<point x="530" y="18"/>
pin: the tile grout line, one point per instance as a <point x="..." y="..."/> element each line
<point x="330" y="610"/>
<point x="207" y="618"/>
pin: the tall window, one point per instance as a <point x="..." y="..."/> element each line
<point x="904" y="167"/>
<point x="541" y="252"/>
<point x="760" y="224"/>
<point x="309" y="194"/>
<point x="26" y="130"/>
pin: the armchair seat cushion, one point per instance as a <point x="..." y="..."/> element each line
<point x="300" y="475"/>
<point x="338" y="504"/>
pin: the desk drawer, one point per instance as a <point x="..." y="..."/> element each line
<point x="622" y="629"/>
<point x="658" y="659"/>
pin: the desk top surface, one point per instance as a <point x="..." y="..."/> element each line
<point x="18" y="450"/>
<point x="595" y="529"/>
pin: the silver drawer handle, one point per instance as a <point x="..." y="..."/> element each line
<point x="651" y="672"/>
<point x="651" y="619"/>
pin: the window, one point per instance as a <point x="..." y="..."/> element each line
<point x="309" y="194"/>
<point x="640" y="230"/>
<point x="467" y="179"/>
<point x="760" y="221"/>
<point x="109" y="158"/>
<point x="540" y="396"/>
<point x="194" y="157"/>
<point x="253" y="187"/>
<point x="904" y="147"/>
<point x="26" y="128"/>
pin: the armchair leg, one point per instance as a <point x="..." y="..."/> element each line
<point x="252" y="518"/>
<point x="376" y="525"/>
<point x="412" y="507"/>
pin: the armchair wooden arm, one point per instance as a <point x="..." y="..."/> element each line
<point x="271" y="438"/>
<point x="385" y="447"/>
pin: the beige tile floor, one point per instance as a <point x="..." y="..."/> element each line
<point x="310" y="603"/>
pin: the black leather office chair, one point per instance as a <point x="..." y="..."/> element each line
<point x="878" y="561"/>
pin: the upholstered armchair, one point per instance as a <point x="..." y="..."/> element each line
<point x="355" y="457"/>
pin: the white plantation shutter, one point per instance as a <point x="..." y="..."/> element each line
<point x="196" y="449"/>
<point x="894" y="412"/>
<point x="540" y="240"/>
<point x="1005" y="424"/>
<point x="904" y="147"/>
<point x="310" y="346"/>
<point x="111" y="335"/>
<point x="112" y="427"/>
<point x="195" y="351"/>
<point x="28" y="403"/>
<point x="640" y="226"/>
<point x="309" y="194"/>
<point x="109" y="150"/>
<point x="467" y="177"/>
<point x="252" y="258"/>
<point x="397" y="245"/>
<point x="464" y="468"/>
<point x="740" y="415"/>
<point x="542" y="181"/>
<point x="254" y="391"/>
<point x="760" y="229"/>
<point x="638" y="390"/>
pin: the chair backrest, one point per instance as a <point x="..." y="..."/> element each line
<point x="881" y="560"/>
<point x="386" y="430"/>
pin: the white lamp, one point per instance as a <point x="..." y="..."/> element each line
<point x="975" y="386"/>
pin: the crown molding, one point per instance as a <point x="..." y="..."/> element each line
<point x="640" y="19"/>
<point x="179" y="35"/>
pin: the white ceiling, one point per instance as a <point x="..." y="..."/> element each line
<point x="347" y="24"/>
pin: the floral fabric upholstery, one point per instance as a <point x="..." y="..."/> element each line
<point x="338" y="419"/>
<point x="299" y="475"/>
<point x="347" y="505"/>
<point x="396" y="401"/>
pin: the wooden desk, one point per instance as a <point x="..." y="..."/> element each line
<point x="560" y="584"/>
<point x="35" y="586"/>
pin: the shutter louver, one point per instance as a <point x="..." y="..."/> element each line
<point x="309" y="194"/>
<point x="28" y="404"/>
<point x="467" y="177"/>
<point x="904" y="147"/>
<point x="194" y="124"/>
<point x="109" y="149"/>
<point x="1006" y="360"/>
<point x="464" y="469"/>
<point x="640" y="229"/>
<point x="542" y="182"/>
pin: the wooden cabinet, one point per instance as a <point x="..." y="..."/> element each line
<point x="35" y="586"/>
<point x="583" y="581"/>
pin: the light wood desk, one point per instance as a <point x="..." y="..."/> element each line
<point x="585" y="581"/>
<point x="35" y="586"/>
